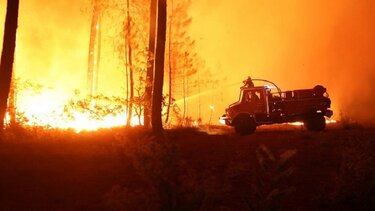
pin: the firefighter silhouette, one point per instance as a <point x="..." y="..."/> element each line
<point x="248" y="83"/>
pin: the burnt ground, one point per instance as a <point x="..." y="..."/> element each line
<point x="190" y="169"/>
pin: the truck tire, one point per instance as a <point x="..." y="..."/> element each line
<point x="315" y="123"/>
<point x="244" y="124"/>
<point x="320" y="90"/>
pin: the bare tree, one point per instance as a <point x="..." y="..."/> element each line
<point x="157" y="97"/>
<point x="150" y="68"/>
<point x="7" y="56"/>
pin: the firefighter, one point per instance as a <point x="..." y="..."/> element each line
<point x="248" y="83"/>
<point x="255" y="98"/>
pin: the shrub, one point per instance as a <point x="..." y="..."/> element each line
<point x="264" y="188"/>
<point x="164" y="185"/>
<point x="355" y="183"/>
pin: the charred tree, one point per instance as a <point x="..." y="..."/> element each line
<point x="151" y="62"/>
<point x="7" y="56"/>
<point x="157" y="97"/>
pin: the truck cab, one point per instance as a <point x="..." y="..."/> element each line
<point x="252" y="100"/>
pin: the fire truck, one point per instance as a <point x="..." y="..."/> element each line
<point x="267" y="104"/>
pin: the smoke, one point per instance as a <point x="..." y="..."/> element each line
<point x="46" y="44"/>
<point x="296" y="44"/>
<point x="52" y="46"/>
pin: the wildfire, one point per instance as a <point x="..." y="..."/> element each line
<point x="48" y="108"/>
<point x="328" y="121"/>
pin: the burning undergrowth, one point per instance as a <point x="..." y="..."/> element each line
<point x="47" y="108"/>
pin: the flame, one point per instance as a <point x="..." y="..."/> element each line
<point x="331" y="121"/>
<point x="47" y="108"/>
<point x="296" y="123"/>
<point x="222" y="121"/>
<point x="328" y="121"/>
<point x="7" y="118"/>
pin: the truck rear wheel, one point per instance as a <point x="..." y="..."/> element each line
<point x="315" y="123"/>
<point x="244" y="125"/>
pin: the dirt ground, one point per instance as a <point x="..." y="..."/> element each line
<point x="60" y="170"/>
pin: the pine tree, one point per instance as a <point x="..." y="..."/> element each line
<point x="151" y="62"/>
<point x="129" y="64"/>
<point x="157" y="97"/>
<point x="7" y="56"/>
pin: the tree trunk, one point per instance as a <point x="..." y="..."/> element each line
<point x="126" y="72"/>
<point x="130" y="64"/>
<point x="170" y="64"/>
<point x="96" y="73"/>
<point x="12" y="100"/>
<point x="157" y="97"/>
<point x="184" y="96"/>
<point x="150" y="68"/>
<point x="7" y="56"/>
<point x="93" y="39"/>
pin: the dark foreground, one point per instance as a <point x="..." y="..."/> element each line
<point x="126" y="169"/>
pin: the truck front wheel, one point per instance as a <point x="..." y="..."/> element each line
<point x="244" y="124"/>
<point x="315" y="123"/>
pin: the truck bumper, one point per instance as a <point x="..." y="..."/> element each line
<point x="224" y="120"/>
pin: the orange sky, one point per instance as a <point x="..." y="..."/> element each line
<point x="296" y="44"/>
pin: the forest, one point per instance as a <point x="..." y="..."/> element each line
<point x="115" y="105"/>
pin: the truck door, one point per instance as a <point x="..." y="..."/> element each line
<point x="254" y="101"/>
